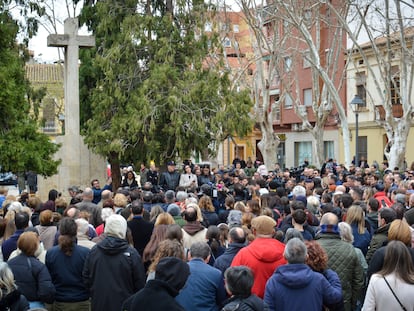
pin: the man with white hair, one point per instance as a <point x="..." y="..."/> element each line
<point x="342" y="258"/>
<point x="296" y="286"/>
<point x="113" y="270"/>
<point x="82" y="233"/>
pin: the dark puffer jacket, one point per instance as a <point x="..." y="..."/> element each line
<point x="343" y="259"/>
<point x="32" y="278"/>
<point x="251" y="303"/>
<point x="113" y="271"/>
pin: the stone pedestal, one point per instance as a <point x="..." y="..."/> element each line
<point x="73" y="172"/>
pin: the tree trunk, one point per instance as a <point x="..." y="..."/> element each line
<point x="115" y="170"/>
<point x="268" y="145"/>
<point x="396" y="146"/>
<point x="318" y="147"/>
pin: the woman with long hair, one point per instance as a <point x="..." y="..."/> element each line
<point x="10" y="296"/>
<point x="213" y="240"/>
<point x="166" y="248"/>
<point x="356" y="219"/>
<point x="207" y="209"/>
<point x="158" y="235"/>
<point x="393" y="286"/>
<point x="399" y="231"/>
<point x="65" y="263"/>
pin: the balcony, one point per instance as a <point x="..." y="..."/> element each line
<point x="397" y="112"/>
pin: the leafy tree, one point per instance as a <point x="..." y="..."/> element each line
<point x="158" y="93"/>
<point x="22" y="147"/>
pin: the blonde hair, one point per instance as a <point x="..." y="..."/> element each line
<point x="355" y="215"/>
<point x="164" y="219"/>
<point x="120" y="200"/>
<point x="399" y="230"/>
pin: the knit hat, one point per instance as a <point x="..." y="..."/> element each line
<point x="173" y="209"/>
<point x="263" y="225"/>
<point x="116" y="226"/>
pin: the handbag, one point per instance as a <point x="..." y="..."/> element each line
<point x="402" y="306"/>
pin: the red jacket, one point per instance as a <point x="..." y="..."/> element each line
<point x="263" y="256"/>
<point x="381" y="196"/>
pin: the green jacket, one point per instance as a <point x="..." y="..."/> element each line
<point x="378" y="239"/>
<point x="343" y="259"/>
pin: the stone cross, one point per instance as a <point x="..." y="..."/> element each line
<point x="71" y="41"/>
<point x="77" y="162"/>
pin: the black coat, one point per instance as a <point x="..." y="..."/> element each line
<point x="113" y="271"/>
<point x="13" y="301"/>
<point x="157" y="295"/>
<point x="141" y="231"/>
<point x="170" y="277"/>
<point x="251" y="303"/>
<point x="169" y="181"/>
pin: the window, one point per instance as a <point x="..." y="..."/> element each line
<point x="395" y="86"/>
<point x="227" y="42"/>
<point x="361" y="82"/>
<point x="225" y="27"/>
<point x="328" y="149"/>
<point x="288" y="64"/>
<point x="306" y="63"/>
<point x="208" y="27"/>
<point x="235" y="28"/>
<point x="280" y="154"/>
<point x="362" y="147"/>
<point x="307" y="97"/>
<point x="303" y="151"/>
<point x="288" y="101"/>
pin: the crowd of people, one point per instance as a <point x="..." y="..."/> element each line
<point x="245" y="237"/>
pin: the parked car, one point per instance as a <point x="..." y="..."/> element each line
<point x="8" y="178"/>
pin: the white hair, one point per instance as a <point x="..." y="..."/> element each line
<point x="83" y="226"/>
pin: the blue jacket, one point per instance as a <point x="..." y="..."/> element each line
<point x="10" y="244"/>
<point x="66" y="273"/>
<point x="224" y="261"/>
<point x="361" y="241"/>
<point x="204" y="290"/>
<point x="32" y="278"/>
<point x="297" y="287"/>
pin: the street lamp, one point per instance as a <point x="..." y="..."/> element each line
<point x="356" y="105"/>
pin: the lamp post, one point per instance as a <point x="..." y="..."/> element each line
<point x="356" y="105"/>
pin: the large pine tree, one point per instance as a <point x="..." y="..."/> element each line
<point x="156" y="91"/>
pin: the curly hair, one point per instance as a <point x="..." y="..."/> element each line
<point x="317" y="258"/>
